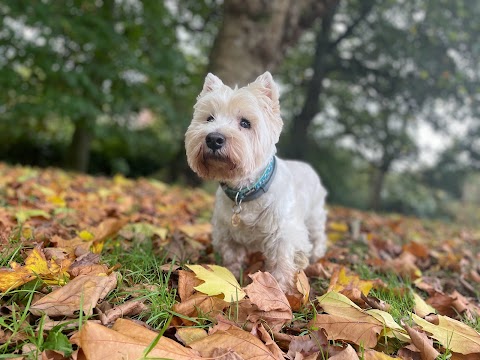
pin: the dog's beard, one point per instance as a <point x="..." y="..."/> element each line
<point x="217" y="164"/>
<point x="228" y="164"/>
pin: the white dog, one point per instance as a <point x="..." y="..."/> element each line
<point x="264" y="203"/>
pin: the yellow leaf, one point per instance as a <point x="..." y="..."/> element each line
<point x="11" y="279"/>
<point x="337" y="304"/>
<point x="36" y="263"/>
<point x="345" y="281"/>
<point x="218" y="280"/>
<point x="25" y="214"/>
<point x="57" y="200"/>
<point x="195" y="230"/>
<point x="85" y="235"/>
<point x="338" y="227"/>
<point x="121" y="180"/>
<point x="335" y="236"/>
<point x="452" y="334"/>
<point x="421" y="308"/>
<point x="392" y="329"/>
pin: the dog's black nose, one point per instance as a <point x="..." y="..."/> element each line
<point x="215" y="140"/>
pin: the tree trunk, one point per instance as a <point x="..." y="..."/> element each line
<point x="297" y="147"/>
<point x="255" y="34"/>
<point x="377" y="181"/>
<point x="78" y="153"/>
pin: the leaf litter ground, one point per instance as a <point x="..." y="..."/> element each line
<point x="101" y="268"/>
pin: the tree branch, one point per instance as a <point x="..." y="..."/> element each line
<point x="366" y="8"/>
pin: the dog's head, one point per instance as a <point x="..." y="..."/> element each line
<point x="233" y="131"/>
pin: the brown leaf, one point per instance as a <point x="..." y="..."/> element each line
<point x="361" y="332"/>
<point x="243" y="343"/>
<point x="317" y="270"/>
<point x="200" y="304"/>
<point x="348" y="353"/>
<point x="132" y="307"/>
<point x="264" y="335"/>
<point x="422" y="343"/>
<point x="308" y="344"/>
<point x="82" y="292"/>
<point x="417" y="249"/>
<point x="267" y="302"/>
<point x="265" y="292"/>
<point x="404" y="265"/>
<point x="188" y="335"/>
<point x="99" y="342"/>
<point x="375" y="355"/>
<point x="453" y="304"/>
<point x="186" y="283"/>
<point x="300" y="297"/>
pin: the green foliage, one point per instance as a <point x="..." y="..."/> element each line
<point x="402" y="62"/>
<point x="70" y="64"/>
<point x="58" y="341"/>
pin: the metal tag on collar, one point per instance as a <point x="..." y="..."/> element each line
<point x="237" y="209"/>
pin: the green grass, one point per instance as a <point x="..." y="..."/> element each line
<point x="143" y="279"/>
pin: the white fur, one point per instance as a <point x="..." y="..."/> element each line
<point x="286" y="224"/>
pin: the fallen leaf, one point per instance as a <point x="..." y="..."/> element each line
<point x="243" y="343"/>
<point x="421" y="308"/>
<point x="349" y="285"/>
<point x="188" y="335"/>
<point x="417" y="249"/>
<point x="127" y="341"/>
<point x="218" y="280"/>
<point x="265" y="292"/>
<point x="187" y="281"/>
<point x="370" y="354"/>
<point x="453" y="304"/>
<point x="264" y="335"/>
<point x="128" y="308"/>
<point x="302" y="296"/>
<point x="362" y="331"/>
<point x="391" y="328"/>
<point x="13" y="278"/>
<point x="452" y="334"/>
<point x="306" y="345"/>
<point x="200" y="304"/>
<point x="348" y="353"/>
<point x="422" y="343"/>
<point x="82" y="293"/>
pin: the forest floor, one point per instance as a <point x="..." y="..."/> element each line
<point x="112" y="268"/>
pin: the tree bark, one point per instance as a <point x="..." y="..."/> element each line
<point x="255" y="34"/>
<point x="298" y="144"/>
<point x="78" y="153"/>
<point x="376" y="186"/>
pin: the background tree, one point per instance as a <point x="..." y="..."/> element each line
<point x="81" y="61"/>
<point x="378" y="67"/>
<point x="254" y="35"/>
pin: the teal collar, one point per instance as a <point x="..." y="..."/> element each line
<point x="254" y="191"/>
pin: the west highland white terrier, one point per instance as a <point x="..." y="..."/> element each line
<point x="263" y="203"/>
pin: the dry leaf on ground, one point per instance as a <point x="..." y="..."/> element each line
<point x="127" y="341"/>
<point x="243" y="343"/>
<point x="363" y="331"/>
<point x="422" y="343"/>
<point x="82" y="293"/>
<point x="218" y="280"/>
<point x="452" y="334"/>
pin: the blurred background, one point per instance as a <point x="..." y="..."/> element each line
<point x="382" y="97"/>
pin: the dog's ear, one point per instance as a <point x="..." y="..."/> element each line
<point x="268" y="86"/>
<point x="211" y="83"/>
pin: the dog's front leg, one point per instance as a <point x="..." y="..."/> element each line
<point x="233" y="255"/>
<point x="287" y="254"/>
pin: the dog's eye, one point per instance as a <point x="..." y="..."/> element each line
<point x="245" y="123"/>
<point x="210" y="118"/>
